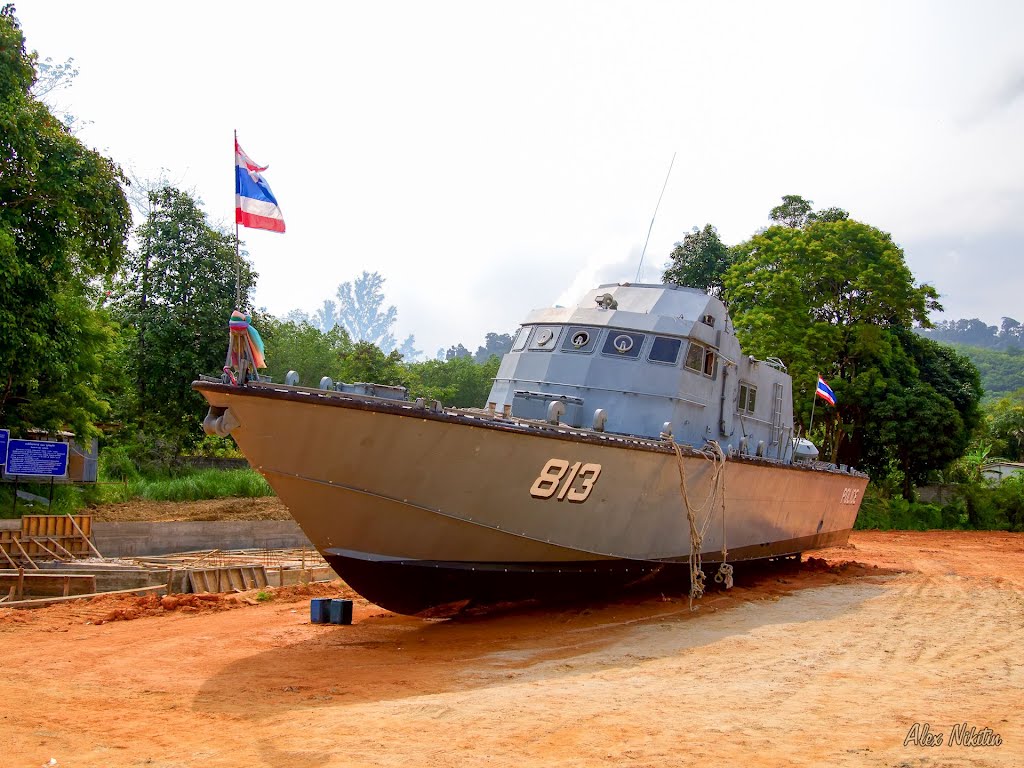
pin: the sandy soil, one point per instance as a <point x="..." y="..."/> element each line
<point x="832" y="664"/>
<point x="262" y="508"/>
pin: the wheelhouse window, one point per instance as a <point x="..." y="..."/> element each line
<point x="545" y="338"/>
<point x="581" y="340"/>
<point x="623" y="344"/>
<point x="664" y="350"/>
<point x="747" y="399"/>
<point x="700" y="359"/>
<point x="519" y="342"/>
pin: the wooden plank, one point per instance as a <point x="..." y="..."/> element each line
<point x="7" y="556"/>
<point x="84" y="535"/>
<point x="53" y="600"/>
<point x="23" y="552"/>
<point x="57" y="545"/>
<point x="35" y="540"/>
<point x="46" y="585"/>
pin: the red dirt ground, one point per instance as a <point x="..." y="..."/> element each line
<point x="831" y="664"/>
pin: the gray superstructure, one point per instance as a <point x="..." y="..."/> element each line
<point x="632" y="358"/>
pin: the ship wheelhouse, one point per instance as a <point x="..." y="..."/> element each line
<point x="646" y="360"/>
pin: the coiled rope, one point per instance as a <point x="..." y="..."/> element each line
<point x="713" y="452"/>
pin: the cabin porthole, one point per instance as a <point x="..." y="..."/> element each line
<point x="580" y="339"/>
<point x="623" y="343"/>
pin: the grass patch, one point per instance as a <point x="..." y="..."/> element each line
<point x="198" y="485"/>
<point x="191" y="485"/>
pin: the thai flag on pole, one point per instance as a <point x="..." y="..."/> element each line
<point x="825" y="392"/>
<point x="255" y="204"/>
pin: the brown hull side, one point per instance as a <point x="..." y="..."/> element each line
<point x="391" y="482"/>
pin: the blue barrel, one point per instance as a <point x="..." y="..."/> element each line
<point x="320" y="610"/>
<point x="341" y="611"/>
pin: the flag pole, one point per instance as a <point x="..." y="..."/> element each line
<point x="814" y="402"/>
<point x="238" y="259"/>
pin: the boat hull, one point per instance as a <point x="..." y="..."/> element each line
<point x="417" y="507"/>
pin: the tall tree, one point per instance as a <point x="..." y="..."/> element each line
<point x="63" y="224"/>
<point x="920" y="408"/>
<point x="837" y="298"/>
<point x="495" y="345"/>
<point x="828" y="215"/>
<point x="457" y="351"/>
<point x="699" y="261"/>
<point x="326" y="316"/>
<point x="361" y="311"/>
<point x="177" y="291"/>
<point x="793" y="212"/>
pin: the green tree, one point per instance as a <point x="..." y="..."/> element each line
<point x="699" y="261"/>
<point x="1004" y="425"/>
<point x="920" y="411"/>
<point x="456" y="352"/>
<point x="1002" y="373"/>
<point x="457" y="382"/>
<point x="361" y="312"/>
<point x="367" y="363"/>
<point x="793" y="212"/>
<point x="303" y="348"/>
<point x="177" y="292"/>
<point x="828" y="215"/>
<point x="495" y="344"/>
<point x="837" y="298"/>
<point x="63" y="224"/>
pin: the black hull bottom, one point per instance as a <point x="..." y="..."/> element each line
<point x="415" y="587"/>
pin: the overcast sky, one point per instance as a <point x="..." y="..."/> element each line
<point x="489" y="158"/>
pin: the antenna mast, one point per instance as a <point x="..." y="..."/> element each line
<point x="663" y="186"/>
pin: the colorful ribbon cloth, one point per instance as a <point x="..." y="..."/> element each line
<point x="239" y="324"/>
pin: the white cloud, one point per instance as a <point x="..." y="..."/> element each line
<point x="487" y="159"/>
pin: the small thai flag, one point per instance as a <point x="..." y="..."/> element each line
<point x="255" y="204"/>
<point x="825" y="392"/>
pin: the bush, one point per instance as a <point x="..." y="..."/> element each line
<point x="980" y="505"/>
<point x="115" y="463"/>
<point x="887" y="514"/>
<point x="1008" y="500"/>
<point x="213" y="447"/>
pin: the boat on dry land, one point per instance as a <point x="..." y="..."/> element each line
<point x="625" y="439"/>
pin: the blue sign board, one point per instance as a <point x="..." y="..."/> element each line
<point x="5" y="435"/>
<point x="37" y="458"/>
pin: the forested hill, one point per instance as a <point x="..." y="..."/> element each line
<point x="1009" y="335"/>
<point x="996" y="351"/>
<point x="1002" y="372"/>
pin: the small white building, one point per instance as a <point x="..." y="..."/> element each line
<point x="998" y="470"/>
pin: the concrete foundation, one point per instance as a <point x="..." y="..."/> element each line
<point x="140" y="539"/>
